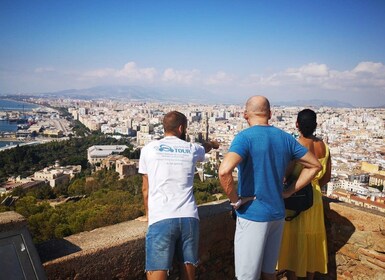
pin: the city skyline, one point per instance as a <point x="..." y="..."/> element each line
<point x="284" y="50"/>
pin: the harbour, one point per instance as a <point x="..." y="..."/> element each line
<point x="7" y="143"/>
<point x="16" y="118"/>
<point x="14" y="113"/>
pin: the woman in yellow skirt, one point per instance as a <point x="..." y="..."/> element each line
<point x="304" y="246"/>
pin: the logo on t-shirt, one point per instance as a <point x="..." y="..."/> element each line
<point x="167" y="149"/>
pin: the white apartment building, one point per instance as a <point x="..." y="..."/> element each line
<point x="57" y="174"/>
<point x="97" y="153"/>
<point x="355" y="187"/>
<point x="122" y="130"/>
<point x="106" y="129"/>
<point x="143" y="138"/>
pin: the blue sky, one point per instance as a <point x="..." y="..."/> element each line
<point x="286" y="50"/>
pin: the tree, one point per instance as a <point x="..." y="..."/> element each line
<point x="3" y="208"/>
<point x="62" y="230"/>
<point x="42" y="224"/>
<point x="60" y="190"/>
<point x="42" y="192"/>
<point x="24" y="160"/>
<point x="210" y="169"/>
<point x="18" y="191"/>
<point x="378" y="187"/>
<point x="26" y="206"/>
<point x="77" y="187"/>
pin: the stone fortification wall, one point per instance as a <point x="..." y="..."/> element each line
<point x="117" y="251"/>
<point x="356" y="241"/>
<point x="356" y="244"/>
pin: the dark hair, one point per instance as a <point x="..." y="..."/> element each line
<point x="307" y="122"/>
<point x="173" y="120"/>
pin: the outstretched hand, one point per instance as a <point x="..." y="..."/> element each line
<point x="214" y="144"/>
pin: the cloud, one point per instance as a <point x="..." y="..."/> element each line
<point x="364" y="83"/>
<point x="365" y="80"/>
<point x="44" y="69"/>
<point x="100" y="73"/>
<point x="369" y="67"/>
<point x="319" y="76"/>
<point x="365" y="75"/>
<point x="309" y="70"/>
<point x="130" y="72"/>
<point x="186" y="77"/>
<point x="220" y="77"/>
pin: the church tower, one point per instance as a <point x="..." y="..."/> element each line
<point x="205" y="127"/>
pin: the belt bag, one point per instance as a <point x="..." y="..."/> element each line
<point x="299" y="201"/>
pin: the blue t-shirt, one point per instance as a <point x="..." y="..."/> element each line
<point x="266" y="152"/>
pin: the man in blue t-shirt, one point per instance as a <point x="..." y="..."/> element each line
<point x="262" y="154"/>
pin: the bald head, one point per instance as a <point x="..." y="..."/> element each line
<point x="258" y="105"/>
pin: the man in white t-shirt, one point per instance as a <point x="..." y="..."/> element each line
<point x="168" y="167"/>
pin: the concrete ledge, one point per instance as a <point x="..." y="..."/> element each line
<point x="117" y="251"/>
<point x="356" y="246"/>
<point x="11" y="221"/>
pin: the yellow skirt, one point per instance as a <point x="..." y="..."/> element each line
<point x="304" y="245"/>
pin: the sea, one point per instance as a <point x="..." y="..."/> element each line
<point x="5" y="125"/>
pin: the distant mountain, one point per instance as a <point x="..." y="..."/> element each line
<point x="316" y="103"/>
<point x="180" y="94"/>
<point x="131" y="92"/>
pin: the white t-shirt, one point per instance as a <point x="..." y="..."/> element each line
<point x="170" y="165"/>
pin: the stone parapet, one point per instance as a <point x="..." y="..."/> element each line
<point x="356" y="246"/>
<point x="117" y="251"/>
<point x="356" y="241"/>
<point x="11" y="221"/>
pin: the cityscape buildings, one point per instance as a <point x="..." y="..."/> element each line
<point x="355" y="136"/>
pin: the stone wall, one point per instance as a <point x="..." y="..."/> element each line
<point x="117" y="251"/>
<point x="356" y="244"/>
<point x="356" y="241"/>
